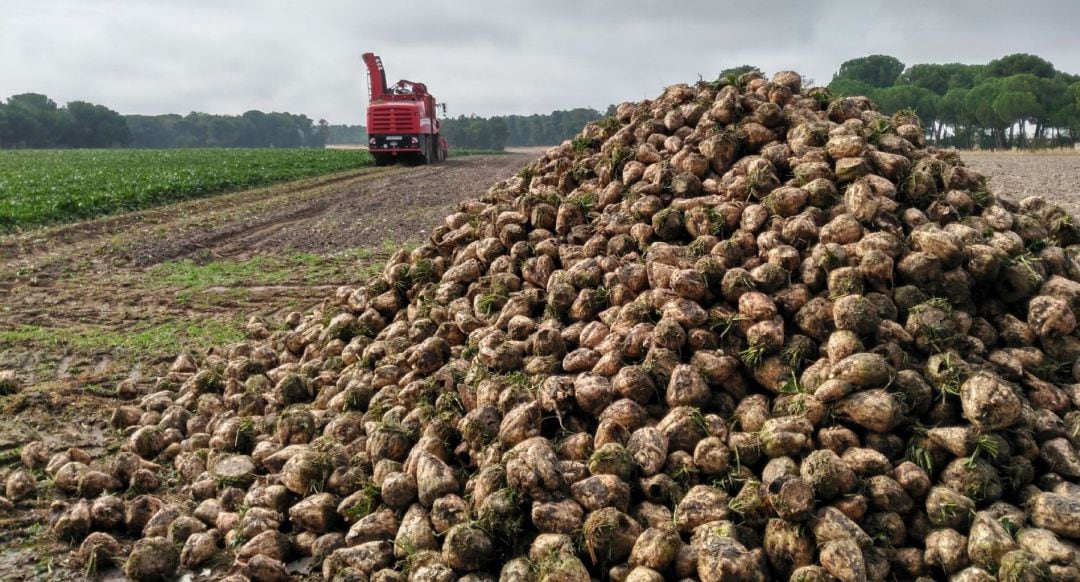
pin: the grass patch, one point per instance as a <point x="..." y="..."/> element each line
<point x="306" y="268"/>
<point x="141" y="340"/>
<point x="187" y="274"/>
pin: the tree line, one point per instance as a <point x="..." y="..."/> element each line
<point x="31" y="120"/>
<point x="253" y="129"/>
<point x="518" y="130"/>
<point x="35" y="121"/>
<point x="1019" y="100"/>
<point x="347" y="135"/>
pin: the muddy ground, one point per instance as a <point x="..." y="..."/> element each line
<point x="85" y="306"/>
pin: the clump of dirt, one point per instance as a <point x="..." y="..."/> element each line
<point x="744" y="331"/>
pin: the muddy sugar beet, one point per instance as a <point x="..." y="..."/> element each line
<point x="744" y="331"/>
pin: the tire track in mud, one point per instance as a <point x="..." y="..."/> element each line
<point x="395" y="205"/>
<point x="237" y="244"/>
<point x="253" y="229"/>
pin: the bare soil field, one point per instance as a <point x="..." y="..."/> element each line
<point x="1055" y="176"/>
<point x="88" y="305"/>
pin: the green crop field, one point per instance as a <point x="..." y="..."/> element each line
<point x="49" y="186"/>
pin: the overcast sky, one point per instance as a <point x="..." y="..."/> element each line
<point x="485" y="57"/>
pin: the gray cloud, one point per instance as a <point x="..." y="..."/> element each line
<point x="484" y="57"/>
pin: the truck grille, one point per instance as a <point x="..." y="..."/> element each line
<point x="393" y="119"/>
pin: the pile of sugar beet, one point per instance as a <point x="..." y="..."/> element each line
<point x="744" y="331"/>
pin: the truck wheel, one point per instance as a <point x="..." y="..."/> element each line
<point x="425" y="157"/>
<point x="381" y="160"/>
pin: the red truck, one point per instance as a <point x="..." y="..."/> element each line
<point x="401" y="121"/>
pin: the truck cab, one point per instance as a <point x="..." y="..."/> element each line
<point x="401" y="120"/>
